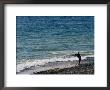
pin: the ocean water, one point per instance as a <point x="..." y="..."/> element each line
<point x="41" y="38"/>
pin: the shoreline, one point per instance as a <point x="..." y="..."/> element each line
<point x="62" y="67"/>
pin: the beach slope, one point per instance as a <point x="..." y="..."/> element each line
<point x="85" y="68"/>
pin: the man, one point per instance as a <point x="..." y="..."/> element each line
<point x="79" y="56"/>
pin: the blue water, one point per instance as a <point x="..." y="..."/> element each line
<point x="40" y="37"/>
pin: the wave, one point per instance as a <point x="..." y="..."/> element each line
<point x="27" y="64"/>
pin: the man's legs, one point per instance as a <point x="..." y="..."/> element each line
<point x="79" y="60"/>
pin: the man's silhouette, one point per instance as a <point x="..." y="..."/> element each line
<point x="79" y="56"/>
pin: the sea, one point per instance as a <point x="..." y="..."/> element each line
<point x="43" y="39"/>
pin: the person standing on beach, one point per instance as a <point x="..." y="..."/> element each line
<point x="79" y="56"/>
